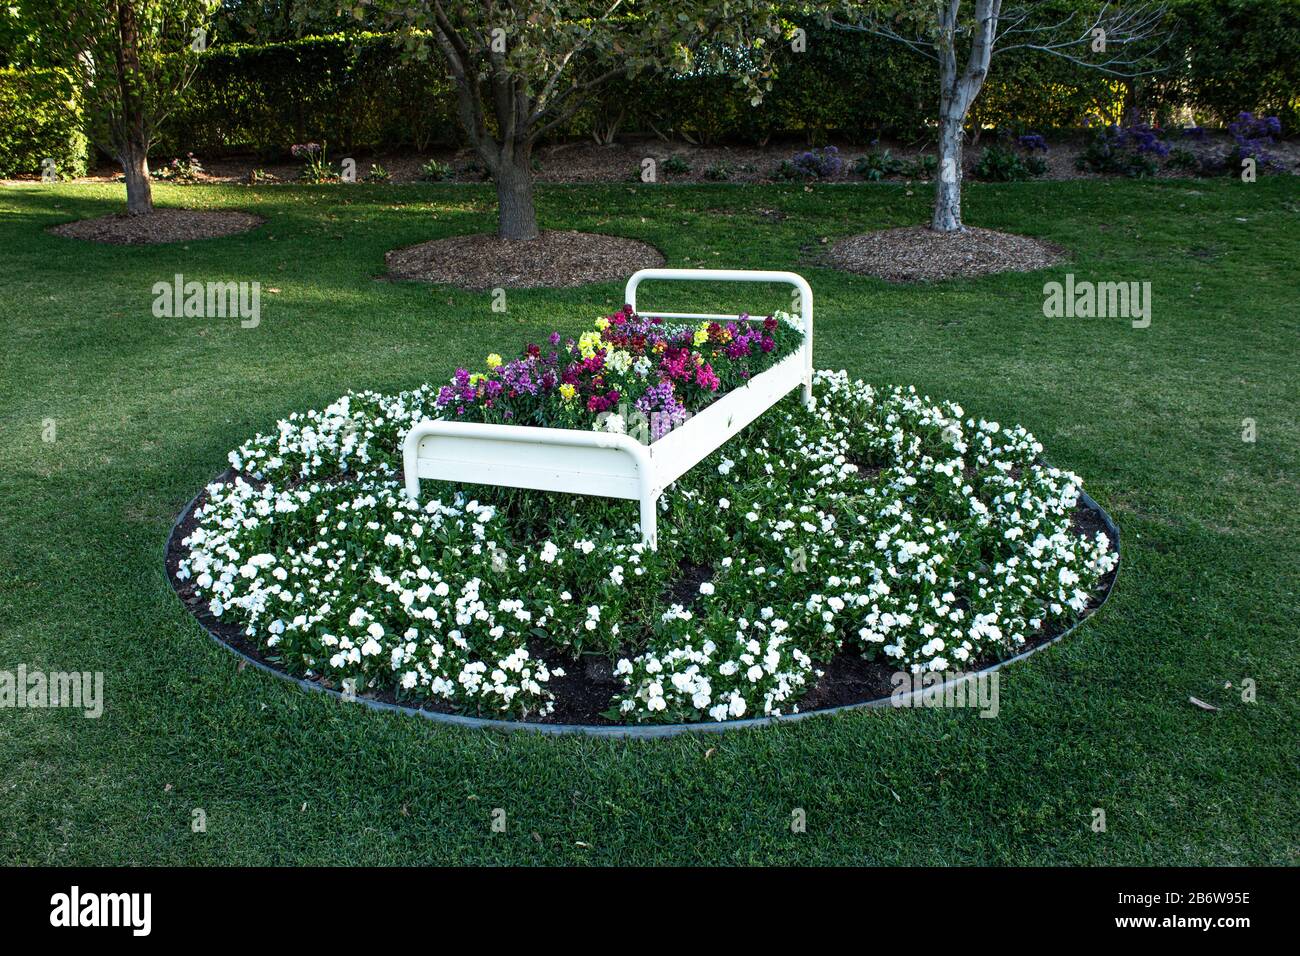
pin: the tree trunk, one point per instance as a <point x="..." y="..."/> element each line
<point x="132" y="140"/>
<point x="139" y="192"/>
<point x="517" y="219"/>
<point x="947" y="184"/>
<point x="957" y="91"/>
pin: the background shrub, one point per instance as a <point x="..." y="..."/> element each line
<point x="353" y="91"/>
<point x="357" y="92"/>
<point x="1233" y="55"/>
<point x="40" y="119"/>
<point x="877" y="165"/>
<point x="1003" y="163"/>
<point x="1124" y="151"/>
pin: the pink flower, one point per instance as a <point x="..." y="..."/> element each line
<point x="705" y="378"/>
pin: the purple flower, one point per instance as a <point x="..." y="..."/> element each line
<point x="821" y="163"/>
<point x="1033" y="141"/>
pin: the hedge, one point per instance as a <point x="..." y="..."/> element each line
<point x="39" y="120"/>
<point x="350" y="91"/>
<point x="1245" y="55"/>
<point x="357" y="91"/>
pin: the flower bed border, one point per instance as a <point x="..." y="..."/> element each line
<point x="642" y="731"/>
<point x="574" y="461"/>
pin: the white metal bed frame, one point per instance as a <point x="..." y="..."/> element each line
<point x="602" y="463"/>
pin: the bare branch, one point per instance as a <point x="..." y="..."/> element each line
<point x="876" y="27"/>
<point x="1121" y="28"/>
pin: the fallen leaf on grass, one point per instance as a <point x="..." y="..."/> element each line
<point x="1202" y="704"/>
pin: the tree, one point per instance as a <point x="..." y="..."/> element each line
<point x="523" y="68"/>
<point x="131" y="59"/>
<point x="963" y="37"/>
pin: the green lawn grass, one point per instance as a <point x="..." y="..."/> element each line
<point x="146" y="409"/>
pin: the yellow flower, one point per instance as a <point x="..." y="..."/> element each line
<point x="602" y="323"/>
<point x="567" y="392"/>
<point x="494" y="360"/>
<point x="702" y="333"/>
<point x="476" y="377"/>
<point x="589" y="343"/>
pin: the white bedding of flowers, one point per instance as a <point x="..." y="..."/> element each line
<point x="880" y="522"/>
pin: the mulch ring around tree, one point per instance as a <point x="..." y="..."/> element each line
<point x="919" y="254"/>
<point x="161" y="225"/>
<point x="554" y="260"/>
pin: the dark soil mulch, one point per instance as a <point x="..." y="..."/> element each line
<point x="582" y="161"/>
<point x="161" y="225"/>
<point x="588" y="685"/>
<point x="919" y="254"/>
<point x="554" y="260"/>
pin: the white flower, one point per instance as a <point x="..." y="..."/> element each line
<point x="895" y="571"/>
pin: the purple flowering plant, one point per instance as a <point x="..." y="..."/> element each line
<point x="1253" y="135"/>
<point x="626" y="364"/>
<point x="819" y="163"/>
<point x="1133" y="150"/>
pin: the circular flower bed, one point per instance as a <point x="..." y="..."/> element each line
<point x="878" y="532"/>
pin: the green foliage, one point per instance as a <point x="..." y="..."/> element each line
<point x="788" y="171"/>
<point x="877" y="165"/>
<point x="316" y="166"/>
<point x="356" y="91"/>
<point x="436" y="171"/>
<point x="1114" y="151"/>
<point x="1039" y="91"/>
<point x="130" y="70"/>
<point x="1183" y="160"/>
<point x="1233" y="55"/>
<point x="676" y="165"/>
<point x="378" y="174"/>
<point x="923" y="167"/>
<point x="360" y="90"/>
<point x="182" y="169"/>
<point x="1003" y="164"/>
<point x="719" y="172"/>
<point x="40" y="119"/>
